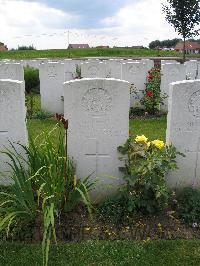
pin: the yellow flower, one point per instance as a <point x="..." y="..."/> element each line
<point x="148" y="144"/>
<point x="141" y="138"/>
<point x="158" y="143"/>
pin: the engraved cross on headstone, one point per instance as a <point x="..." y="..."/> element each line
<point x="96" y="155"/>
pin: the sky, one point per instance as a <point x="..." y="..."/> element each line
<point x="52" y="24"/>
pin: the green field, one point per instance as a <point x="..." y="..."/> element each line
<point x="106" y="253"/>
<point x="92" y="52"/>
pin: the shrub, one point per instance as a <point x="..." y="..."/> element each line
<point x="32" y="80"/>
<point x="146" y="163"/>
<point x="188" y="206"/>
<point x="153" y="98"/>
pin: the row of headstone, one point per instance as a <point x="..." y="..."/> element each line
<point x="52" y="76"/>
<point x="98" y="114"/>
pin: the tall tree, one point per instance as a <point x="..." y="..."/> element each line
<point x="184" y="15"/>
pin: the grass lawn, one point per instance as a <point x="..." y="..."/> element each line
<point x="155" y="253"/>
<point x="59" y="53"/>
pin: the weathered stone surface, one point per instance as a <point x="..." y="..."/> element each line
<point x="98" y="114"/>
<point x="183" y="131"/>
<point x="191" y="69"/>
<point x="12" y="71"/>
<point x="52" y="76"/>
<point x="12" y="120"/>
<point x="170" y="73"/>
<point x="136" y="74"/>
<point x="113" y="69"/>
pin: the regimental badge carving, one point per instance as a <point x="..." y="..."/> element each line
<point x="52" y="72"/>
<point x="8" y="73"/>
<point x="194" y="104"/>
<point x="96" y="100"/>
<point x="133" y="69"/>
<point x="93" y="71"/>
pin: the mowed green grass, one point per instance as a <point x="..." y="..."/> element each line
<point x="59" y="53"/>
<point x="106" y="253"/>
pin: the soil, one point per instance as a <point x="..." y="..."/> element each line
<point x="78" y="226"/>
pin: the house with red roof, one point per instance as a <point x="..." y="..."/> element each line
<point x="190" y="47"/>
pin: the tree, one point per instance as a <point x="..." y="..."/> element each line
<point x="184" y="16"/>
<point x="164" y="43"/>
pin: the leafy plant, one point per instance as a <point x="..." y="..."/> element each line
<point x="145" y="165"/>
<point x="78" y="72"/>
<point x="44" y="186"/>
<point x="188" y="206"/>
<point x="153" y="97"/>
<point x="32" y="80"/>
<point x="32" y="105"/>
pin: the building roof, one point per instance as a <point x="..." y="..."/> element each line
<point x="76" y="46"/>
<point x="102" y="46"/>
<point x="188" y="45"/>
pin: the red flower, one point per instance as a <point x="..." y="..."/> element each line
<point x="150" y="77"/>
<point x="149" y="93"/>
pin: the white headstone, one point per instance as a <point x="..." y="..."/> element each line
<point x="71" y="66"/>
<point x="113" y="69"/>
<point x="198" y="70"/>
<point x="33" y="63"/>
<point x="136" y="74"/>
<point x="12" y="120"/>
<point x="12" y="71"/>
<point x="191" y="69"/>
<point x="93" y="69"/>
<point x="163" y="62"/>
<point x="170" y="73"/>
<point x="98" y="114"/>
<point x="52" y="77"/>
<point x="183" y="131"/>
<point x="149" y="63"/>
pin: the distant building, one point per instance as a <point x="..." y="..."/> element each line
<point x="190" y="47"/>
<point x="103" y="46"/>
<point x="78" y="46"/>
<point x="3" y="47"/>
<point x="138" y="47"/>
<point x="130" y="47"/>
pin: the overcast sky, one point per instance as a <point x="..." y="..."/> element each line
<point x="45" y="23"/>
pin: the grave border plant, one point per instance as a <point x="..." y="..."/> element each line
<point x="43" y="187"/>
<point x="153" y="98"/>
<point x="145" y="165"/>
